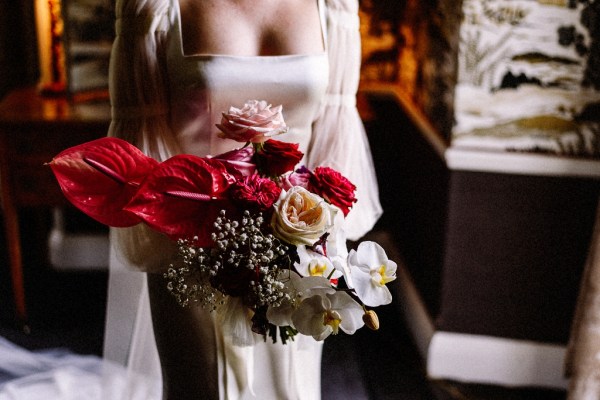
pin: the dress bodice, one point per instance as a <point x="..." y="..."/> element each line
<point x="203" y="86"/>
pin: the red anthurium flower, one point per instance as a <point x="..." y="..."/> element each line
<point x="100" y="177"/>
<point x="183" y="197"/>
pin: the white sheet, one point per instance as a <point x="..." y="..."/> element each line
<point x="59" y="374"/>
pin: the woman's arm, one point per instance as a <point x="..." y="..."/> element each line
<point x="339" y="139"/>
<point x="140" y="103"/>
<point x="137" y="77"/>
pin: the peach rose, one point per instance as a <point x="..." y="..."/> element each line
<point x="255" y="122"/>
<point x="302" y="217"/>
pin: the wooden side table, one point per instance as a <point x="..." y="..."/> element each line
<point x="33" y="129"/>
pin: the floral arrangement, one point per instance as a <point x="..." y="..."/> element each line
<point x="260" y="240"/>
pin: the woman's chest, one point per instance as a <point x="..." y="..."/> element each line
<point x="250" y="27"/>
<point x="201" y="88"/>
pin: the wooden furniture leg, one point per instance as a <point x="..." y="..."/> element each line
<point x="13" y="240"/>
<point x="33" y="129"/>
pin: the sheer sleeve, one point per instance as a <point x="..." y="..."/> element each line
<point x="339" y="139"/>
<point x="138" y="82"/>
<point x="139" y="100"/>
<point x="140" y="110"/>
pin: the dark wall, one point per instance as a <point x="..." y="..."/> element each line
<point x="413" y="186"/>
<point x="514" y="254"/>
<point x="18" y="47"/>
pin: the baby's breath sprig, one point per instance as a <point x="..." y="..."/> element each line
<point x="244" y="262"/>
<point x="181" y="285"/>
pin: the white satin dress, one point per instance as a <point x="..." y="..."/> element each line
<point x="318" y="106"/>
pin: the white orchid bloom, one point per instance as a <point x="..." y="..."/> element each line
<point x="337" y="251"/>
<point x="341" y="265"/>
<point x="313" y="285"/>
<point x="322" y="315"/>
<point x="370" y="271"/>
<point x="298" y="288"/>
<point x="315" y="264"/>
<point x="336" y="241"/>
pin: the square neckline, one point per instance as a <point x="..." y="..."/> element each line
<point x="321" y="10"/>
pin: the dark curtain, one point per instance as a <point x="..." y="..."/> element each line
<point x="18" y="46"/>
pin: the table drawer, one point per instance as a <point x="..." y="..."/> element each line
<point x="35" y="185"/>
<point x="48" y="142"/>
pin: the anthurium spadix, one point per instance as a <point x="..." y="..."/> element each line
<point x="183" y="197"/>
<point x="100" y="177"/>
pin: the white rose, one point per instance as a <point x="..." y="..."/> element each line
<point x="302" y="217"/>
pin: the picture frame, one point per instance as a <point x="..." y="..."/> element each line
<point x="88" y="38"/>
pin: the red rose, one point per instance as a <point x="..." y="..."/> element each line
<point x="260" y="192"/>
<point x="333" y="187"/>
<point x="275" y="158"/>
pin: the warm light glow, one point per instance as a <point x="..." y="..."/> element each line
<point x="49" y="25"/>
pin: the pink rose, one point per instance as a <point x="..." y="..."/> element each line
<point x="238" y="162"/>
<point x="255" y="122"/>
<point x="299" y="177"/>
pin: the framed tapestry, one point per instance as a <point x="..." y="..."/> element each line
<point x="88" y="35"/>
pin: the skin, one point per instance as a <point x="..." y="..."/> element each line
<point x="184" y="336"/>
<point x="251" y="27"/>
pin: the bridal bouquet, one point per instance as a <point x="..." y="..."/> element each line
<point x="260" y="240"/>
